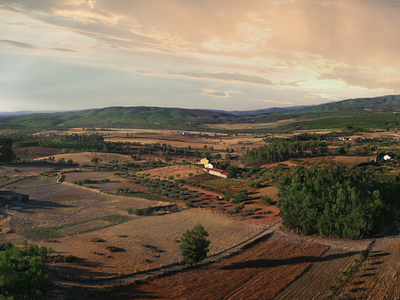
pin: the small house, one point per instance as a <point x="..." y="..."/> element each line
<point x="5" y="194"/>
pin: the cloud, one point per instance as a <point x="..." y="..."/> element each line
<point x="218" y="93"/>
<point x="228" y="77"/>
<point x="19" y="44"/>
<point x="276" y="101"/>
<point x="33" y="47"/>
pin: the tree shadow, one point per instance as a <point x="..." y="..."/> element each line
<point x="268" y="263"/>
<point x="40" y="204"/>
<point x="368" y="275"/>
<point x="380" y="254"/>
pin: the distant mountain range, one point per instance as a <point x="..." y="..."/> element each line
<point x="364" y="112"/>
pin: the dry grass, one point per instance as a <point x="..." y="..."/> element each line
<point x="162" y="232"/>
<point x="178" y="171"/>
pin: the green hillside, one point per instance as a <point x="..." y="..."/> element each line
<point x="379" y="112"/>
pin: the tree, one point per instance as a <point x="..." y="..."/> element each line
<point x="194" y="245"/>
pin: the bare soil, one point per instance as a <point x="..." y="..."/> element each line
<point x="256" y="273"/>
<point x="379" y="275"/>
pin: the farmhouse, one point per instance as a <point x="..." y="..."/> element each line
<point x="4" y="194"/>
<point x="217" y="172"/>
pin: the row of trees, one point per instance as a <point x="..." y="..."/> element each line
<point x="336" y="202"/>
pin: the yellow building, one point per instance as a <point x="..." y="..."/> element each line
<point x="204" y="162"/>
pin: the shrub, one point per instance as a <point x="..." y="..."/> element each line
<point x="69" y="258"/>
<point x="255" y="184"/>
<point x="266" y="200"/>
<point x="230" y="212"/>
<point x="243" y="214"/>
<point x="211" y="206"/>
<point x="135" y="211"/>
<point x="97" y="240"/>
<point x="112" y="248"/>
<point x="8" y="206"/>
<point x="238" y="208"/>
<point x="221" y="208"/>
<point x="251" y="210"/>
<point x="240" y="196"/>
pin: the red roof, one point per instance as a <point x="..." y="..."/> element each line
<point x="218" y="171"/>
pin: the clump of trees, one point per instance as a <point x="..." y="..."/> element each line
<point x="283" y="150"/>
<point x="22" y="272"/>
<point x="336" y="201"/>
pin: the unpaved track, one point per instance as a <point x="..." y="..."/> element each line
<point x="142" y="275"/>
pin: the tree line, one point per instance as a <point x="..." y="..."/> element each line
<point x="337" y="201"/>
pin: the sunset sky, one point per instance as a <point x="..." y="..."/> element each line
<point x="214" y="54"/>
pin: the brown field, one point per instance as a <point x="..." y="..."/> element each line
<point x="259" y="272"/>
<point x="160" y="231"/>
<point x="86" y="157"/>
<point x="29" y="152"/>
<point x="178" y="171"/>
<point x="379" y="275"/>
<point x="56" y="204"/>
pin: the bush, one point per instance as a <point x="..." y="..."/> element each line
<point x="255" y="184"/>
<point x="211" y="206"/>
<point x="266" y="200"/>
<point x="112" y="248"/>
<point x="97" y="240"/>
<point x="135" y="211"/>
<point x="69" y="258"/>
<point x="240" y="196"/>
<point x="230" y="212"/>
<point x="221" y="208"/>
<point x="8" y="206"/>
<point x="238" y="208"/>
<point x="251" y="210"/>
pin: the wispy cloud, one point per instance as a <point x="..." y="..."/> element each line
<point x="218" y="93"/>
<point x="237" y="77"/>
<point x="276" y="101"/>
<point x="33" y="47"/>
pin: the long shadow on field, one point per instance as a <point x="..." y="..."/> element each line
<point x="128" y="293"/>
<point x="38" y="204"/>
<point x="72" y="272"/>
<point x="270" y="263"/>
<point x="380" y="254"/>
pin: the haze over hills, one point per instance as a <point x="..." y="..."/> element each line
<point x="365" y="112"/>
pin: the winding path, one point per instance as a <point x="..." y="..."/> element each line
<point x="141" y="275"/>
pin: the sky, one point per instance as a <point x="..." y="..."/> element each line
<point x="208" y="54"/>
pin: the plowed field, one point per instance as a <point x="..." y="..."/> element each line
<point x="379" y="275"/>
<point x="257" y="273"/>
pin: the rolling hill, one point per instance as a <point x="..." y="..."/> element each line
<point x="379" y="112"/>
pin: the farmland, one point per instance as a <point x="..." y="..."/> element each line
<point x="257" y="273"/>
<point x="83" y="201"/>
<point x="378" y="277"/>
